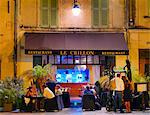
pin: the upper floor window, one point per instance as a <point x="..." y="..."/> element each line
<point x="100" y="13"/>
<point x="49" y="9"/>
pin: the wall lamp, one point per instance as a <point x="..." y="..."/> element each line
<point x="76" y="9"/>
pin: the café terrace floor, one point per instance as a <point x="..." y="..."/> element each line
<point x="78" y="111"/>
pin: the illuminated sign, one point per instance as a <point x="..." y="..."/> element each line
<point x="76" y="52"/>
<point x="31" y="52"/>
<point x="113" y="53"/>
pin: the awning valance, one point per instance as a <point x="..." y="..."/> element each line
<point x="79" y="43"/>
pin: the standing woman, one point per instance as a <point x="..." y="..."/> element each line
<point x="127" y="96"/>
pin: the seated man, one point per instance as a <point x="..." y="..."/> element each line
<point x="51" y="85"/>
<point x="48" y="94"/>
<point x="49" y="101"/>
<point x="88" y="91"/>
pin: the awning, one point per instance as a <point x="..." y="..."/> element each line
<point x="82" y="43"/>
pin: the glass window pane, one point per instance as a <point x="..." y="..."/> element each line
<point x="89" y="59"/>
<point x="77" y="59"/>
<point x="37" y="60"/>
<point x="102" y="60"/>
<point x="96" y="59"/>
<point x="57" y="59"/>
<point x="51" y="59"/>
<point x="83" y="59"/>
<point x="110" y="60"/>
<point x="64" y="59"/>
<point x="70" y="59"/>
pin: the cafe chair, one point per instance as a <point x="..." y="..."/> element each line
<point x="88" y="102"/>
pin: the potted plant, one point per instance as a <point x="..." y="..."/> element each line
<point x="9" y="99"/>
<point x="11" y="89"/>
<point x="1" y="95"/>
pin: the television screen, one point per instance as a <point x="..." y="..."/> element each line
<point x="72" y="76"/>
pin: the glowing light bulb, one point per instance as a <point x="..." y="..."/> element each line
<point x="76" y="10"/>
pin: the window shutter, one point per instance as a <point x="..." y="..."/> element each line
<point x="104" y="12"/>
<point x="95" y="13"/>
<point x="54" y="10"/>
<point x="44" y="13"/>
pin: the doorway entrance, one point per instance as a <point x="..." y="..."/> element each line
<point x="144" y="61"/>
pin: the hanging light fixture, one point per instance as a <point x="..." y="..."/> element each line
<point x="76" y="8"/>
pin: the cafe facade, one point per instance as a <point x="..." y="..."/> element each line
<point x="95" y="51"/>
<point x="48" y="32"/>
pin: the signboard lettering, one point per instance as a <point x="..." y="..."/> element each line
<point x="75" y="52"/>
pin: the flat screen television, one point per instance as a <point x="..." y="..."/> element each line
<point x="72" y="76"/>
<point x="140" y="87"/>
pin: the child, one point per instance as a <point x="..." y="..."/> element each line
<point x="127" y="96"/>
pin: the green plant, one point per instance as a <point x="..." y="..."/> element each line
<point x="139" y="78"/>
<point x="1" y="93"/>
<point x="37" y="75"/>
<point x="148" y="78"/>
<point x="11" y="89"/>
<point x="39" y="72"/>
<point x="48" y="69"/>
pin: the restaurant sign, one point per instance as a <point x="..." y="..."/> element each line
<point x="76" y="52"/>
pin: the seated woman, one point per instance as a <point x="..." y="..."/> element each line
<point x="58" y="93"/>
<point x="29" y="98"/>
<point x="58" y="90"/>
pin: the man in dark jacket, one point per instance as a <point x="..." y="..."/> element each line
<point x="51" y="85"/>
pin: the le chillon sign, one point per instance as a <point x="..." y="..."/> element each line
<point x="76" y="52"/>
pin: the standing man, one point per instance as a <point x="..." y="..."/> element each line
<point x="117" y="92"/>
